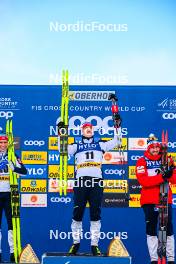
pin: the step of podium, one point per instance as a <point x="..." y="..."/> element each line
<point x="64" y="258"/>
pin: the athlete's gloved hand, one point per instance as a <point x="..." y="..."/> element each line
<point x="117" y="120"/>
<point x="168" y="173"/>
<point x="3" y="164"/>
<point x="60" y="126"/>
<point x="11" y="165"/>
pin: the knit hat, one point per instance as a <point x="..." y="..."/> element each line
<point x="152" y="141"/>
<point x="3" y="137"/>
<point x="86" y="124"/>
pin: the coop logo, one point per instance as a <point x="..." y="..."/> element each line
<point x="6" y="115"/>
<point x="75" y="121"/>
<point x="64" y="200"/>
<point x="169" y="116"/>
<point x="133" y="157"/>
<point x="114" y="172"/>
<point x="90" y="96"/>
<point x="172" y="144"/>
<point x="38" y="143"/>
<point x="103" y="126"/>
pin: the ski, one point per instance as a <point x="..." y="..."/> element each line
<point x="163" y="206"/>
<point x="64" y="136"/>
<point x="15" y="201"/>
<point x="115" y="114"/>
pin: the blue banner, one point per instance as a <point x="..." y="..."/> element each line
<point x="45" y="216"/>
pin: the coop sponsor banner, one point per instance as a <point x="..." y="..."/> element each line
<point x="54" y="171"/>
<point x="33" y="186"/>
<point x="33" y="200"/>
<point x="34" y="157"/>
<point x="115" y="158"/>
<point x="55" y="199"/>
<point x="34" y="144"/>
<point x="137" y="144"/>
<point x="133" y="157"/>
<point x="113" y="172"/>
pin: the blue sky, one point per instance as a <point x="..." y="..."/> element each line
<point x="32" y="53"/>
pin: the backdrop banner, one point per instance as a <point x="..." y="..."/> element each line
<point x="45" y="215"/>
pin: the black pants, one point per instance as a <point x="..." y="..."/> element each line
<point x="151" y="218"/>
<point x="5" y="204"/>
<point x="89" y="190"/>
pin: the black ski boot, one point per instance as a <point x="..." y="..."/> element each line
<point x="12" y="258"/>
<point x="171" y="262"/>
<point x="95" y="251"/>
<point x="74" y="249"/>
<point x="0" y="257"/>
<point x="154" y="262"/>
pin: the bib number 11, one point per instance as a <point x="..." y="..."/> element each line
<point x="89" y="155"/>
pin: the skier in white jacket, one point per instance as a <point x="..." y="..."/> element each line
<point x="89" y="188"/>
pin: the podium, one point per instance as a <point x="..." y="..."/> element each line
<point x="64" y="258"/>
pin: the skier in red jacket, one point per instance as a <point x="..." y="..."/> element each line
<point x="147" y="169"/>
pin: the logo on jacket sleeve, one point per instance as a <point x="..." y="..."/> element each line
<point x="140" y="169"/>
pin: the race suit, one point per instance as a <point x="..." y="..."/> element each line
<point x="88" y="161"/>
<point x="147" y="174"/>
<point x="5" y="194"/>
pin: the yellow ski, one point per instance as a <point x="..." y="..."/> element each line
<point x="64" y="135"/>
<point x="15" y="201"/>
